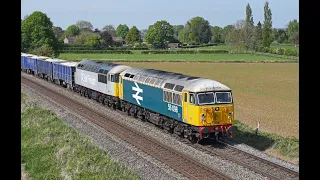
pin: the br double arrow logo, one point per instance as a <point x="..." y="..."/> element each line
<point x="136" y="96"/>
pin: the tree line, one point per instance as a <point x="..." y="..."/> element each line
<point x="40" y="36"/>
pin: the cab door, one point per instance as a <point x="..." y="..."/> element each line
<point x="185" y="100"/>
<point x="120" y="87"/>
<point x="110" y="88"/>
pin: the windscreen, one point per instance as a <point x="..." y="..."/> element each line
<point x="205" y="98"/>
<point x="214" y="98"/>
<point x="223" y="97"/>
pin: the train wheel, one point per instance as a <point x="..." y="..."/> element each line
<point x="100" y="99"/>
<point x="193" y="139"/>
<point x="82" y="92"/>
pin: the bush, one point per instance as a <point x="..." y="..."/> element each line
<point x="289" y="52"/>
<point x="97" y="51"/>
<point x="44" y="50"/>
<point x="196" y="46"/>
<point x="280" y="51"/>
<point x="263" y="49"/>
<point x="185" y="52"/>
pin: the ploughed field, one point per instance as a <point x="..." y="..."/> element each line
<point x="261" y="91"/>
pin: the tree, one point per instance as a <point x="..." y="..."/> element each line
<point x="274" y="35"/>
<point x="293" y="30"/>
<point x="58" y="32"/>
<point x="282" y="36"/>
<point x="93" y="40"/>
<point x="72" y="31"/>
<point x="226" y="30"/>
<point x="176" y="30"/>
<point x="249" y="16"/>
<point x="106" y="39"/>
<point x="122" y="31"/>
<point x="82" y="37"/>
<point x="96" y="30"/>
<point x="159" y="34"/>
<point x="267" y="26"/>
<point x="84" y="25"/>
<point x="44" y="50"/>
<point x="250" y="36"/>
<point x="217" y="34"/>
<point x="133" y="35"/>
<point x="36" y="31"/>
<point x="110" y="29"/>
<point x="197" y="31"/>
<point x="236" y="36"/>
<point x="184" y="33"/>
<point x="143" y="32"/>
<point x="259" y="31"/>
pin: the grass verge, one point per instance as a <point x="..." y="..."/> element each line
<point x="286" y="148"/>
<point x="51" y="149"/>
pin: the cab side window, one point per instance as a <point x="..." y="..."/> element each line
<point x="191" y="99"/>
<point x="185" y="97"/>
<point x="112" y="78"/>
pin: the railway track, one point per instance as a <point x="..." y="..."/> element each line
<point x="247" y="160"/>
<point x="254" y="163"/>
<point x="187" y="166"/>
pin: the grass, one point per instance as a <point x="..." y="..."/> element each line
<point x="286" y="148"/>
<point x="136" y="57"/>
<point x="51" y="149"/>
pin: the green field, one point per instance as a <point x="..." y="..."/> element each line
<point x="136" y="57"/>
<point x="224" y="47"/>
<point x="50" y="149"/>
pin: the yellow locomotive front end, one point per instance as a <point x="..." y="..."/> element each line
<point x="210" y="110"/>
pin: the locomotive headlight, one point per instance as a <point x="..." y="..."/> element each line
<point x="203" y="117"/>
<point x="217" y="109"/>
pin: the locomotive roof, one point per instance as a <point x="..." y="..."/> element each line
<point x="173" y="81"/>
<point x="97" y="66"/>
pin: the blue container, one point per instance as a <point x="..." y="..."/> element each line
<point x="44" y="67"/>
<point x="30" y="63"/>
<point x="64" y="71"/>
<point x="47" y="66"/>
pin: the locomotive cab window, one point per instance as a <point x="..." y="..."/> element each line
<point x="205" y="98"/>
<point x="223" y="97"/>
<point x="116" y="77"/>
<point x="191" y="99"/>
<point x="112" y="79"/>
<point x="185" y="97"/>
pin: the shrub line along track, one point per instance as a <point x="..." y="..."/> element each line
<point x="163" y="153"/>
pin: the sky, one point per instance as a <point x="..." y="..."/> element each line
<point x="142" y="13"/>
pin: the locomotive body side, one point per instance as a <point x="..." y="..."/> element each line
<point x="151" y="98"/>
